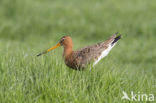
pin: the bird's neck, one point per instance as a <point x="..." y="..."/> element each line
<point x="68" y="50"/>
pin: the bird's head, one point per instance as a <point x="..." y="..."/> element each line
<point x="65" y="41"/>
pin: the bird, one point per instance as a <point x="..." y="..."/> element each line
<point x="78" y="60"/>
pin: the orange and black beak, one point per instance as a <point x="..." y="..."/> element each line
<point x="54" y="47"/>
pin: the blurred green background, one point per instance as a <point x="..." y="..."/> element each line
<point x="21" y="20"/>
<point x="29" y="26"/>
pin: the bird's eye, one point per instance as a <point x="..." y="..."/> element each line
<point x="62" y="40"/>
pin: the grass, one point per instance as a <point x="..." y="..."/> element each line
<point x="30" y="26"/>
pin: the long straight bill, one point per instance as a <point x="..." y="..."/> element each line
<point x="54" y="47"/>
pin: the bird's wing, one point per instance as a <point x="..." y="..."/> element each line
<point x="92" y="52"/>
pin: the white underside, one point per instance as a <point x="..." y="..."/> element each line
<point x="104" y="53"/>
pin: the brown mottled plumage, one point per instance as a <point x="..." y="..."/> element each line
<point x="80" y="58"/>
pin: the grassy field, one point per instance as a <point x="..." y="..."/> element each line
<point x="28" y="27"/>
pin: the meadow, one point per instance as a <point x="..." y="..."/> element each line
<point x="28" y="27"/>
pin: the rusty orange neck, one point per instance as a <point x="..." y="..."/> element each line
<point x="68" y="49"/>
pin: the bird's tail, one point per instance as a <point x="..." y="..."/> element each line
<point x="116" y="39"/>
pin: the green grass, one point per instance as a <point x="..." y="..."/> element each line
<point x="28" y="27"/>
